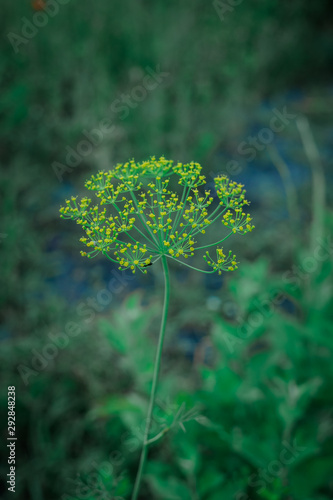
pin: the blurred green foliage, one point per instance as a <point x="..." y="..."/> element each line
<point x="244" y="394"/>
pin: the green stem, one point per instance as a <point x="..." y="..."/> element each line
<point x="191" y="267"/>
<point x="143" y="219"/>
<point x="155" y="379"/>
<point x="159" y="435"/>
<point x="144" y="236"/>
<point x="110" y="258"/>
<point x="213" y="244"/>
<point x="318" y="181"/>
<point x="185" y="194"/>
<point x="291" y="192"/>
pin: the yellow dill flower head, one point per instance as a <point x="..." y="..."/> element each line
<point x="138" y="218"/>
<point x="222" y="261"/>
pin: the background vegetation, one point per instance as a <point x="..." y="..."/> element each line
<point x="247" y="377"/>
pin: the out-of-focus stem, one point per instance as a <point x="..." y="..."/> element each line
<point x="318" y="179"/>
<point x="291" y="194"/>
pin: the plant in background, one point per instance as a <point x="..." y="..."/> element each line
<point x="140" y="220"/>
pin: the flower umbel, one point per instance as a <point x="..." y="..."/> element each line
<point x="139" y="219"/>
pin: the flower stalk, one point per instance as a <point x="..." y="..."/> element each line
<point x="155" y="379"/>
<point x="139" y="220"/>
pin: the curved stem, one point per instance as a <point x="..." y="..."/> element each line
<point x="191" y="267"/>
<point x="155" y="379"/>
<point x="213" y="244"/>
<point x="159" y="435"/>
<point x="110" y="258"/>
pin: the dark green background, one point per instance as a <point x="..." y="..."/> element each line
<point x="247" y="397"/>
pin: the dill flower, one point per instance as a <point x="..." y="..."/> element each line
<point x="138" y="218"/>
